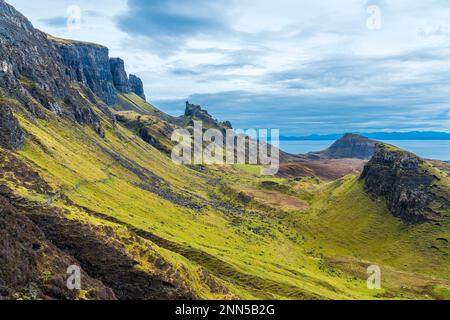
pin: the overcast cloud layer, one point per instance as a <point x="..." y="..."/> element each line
<point x="305" y="66"/>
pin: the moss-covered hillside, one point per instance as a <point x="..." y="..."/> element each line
<point x="85" y="179"/>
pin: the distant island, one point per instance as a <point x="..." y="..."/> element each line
<point x="415" y="135"/>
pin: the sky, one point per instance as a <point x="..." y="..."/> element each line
<point x="301" y="66"/>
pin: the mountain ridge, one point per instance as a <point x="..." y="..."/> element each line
<point x="412" y="135"/>
<point x="349" y="146"/>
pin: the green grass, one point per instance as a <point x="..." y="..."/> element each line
<point x="299" y="255"/>
<point x="132" y="102"/>
<point x="69" y="41"/>
<point x="92" y="179"/>
<point x="344" y="221"/>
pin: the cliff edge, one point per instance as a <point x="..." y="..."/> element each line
<point x="415" y="191"/>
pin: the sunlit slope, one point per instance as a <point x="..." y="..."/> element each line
<point x="123" y="180"/>
<point x="341" y="218"/>
<point x="93" y="192"/>
<point x="344" y="221"/>
<point x="254" y="250"/>
<point x="352" y="231"/>
<point x="134" y="103"/>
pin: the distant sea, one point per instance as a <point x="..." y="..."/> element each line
<point x="428" y="149"/>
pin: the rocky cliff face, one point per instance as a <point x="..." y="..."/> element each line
<point x="51" y="64"/>
<point x="26" y="53"/>
<point x="119" y="75"/>
<point x="89" y="65"/>
<point x="350" y="146"/>
<point x="412" y="187"/>
<point x="42" y="73"/>
<point x="137" y="86"/>
<point x="33" y="72"/>
<point x="11" y="135"/>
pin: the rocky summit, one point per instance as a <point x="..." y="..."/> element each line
<point x="350" y="146"/>
<point x="196" y="113"/>
<point x="410" y="185"/>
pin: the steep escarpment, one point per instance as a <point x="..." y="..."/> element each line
<point x="119" y="75"/>
<point x="350" y="146"/>
<point x="45" y="67"/>
<point x="42" y="75"/>
<point x="26" y="52"/>
<point x="30" y="68"/>
<point x="90" y="65"/>
<point x="414" y="190"/>
<point x="124" y="83"/>
<point x="33" y="77"/>
<point x="137" y="86"/>
<point x="11" y="135"/>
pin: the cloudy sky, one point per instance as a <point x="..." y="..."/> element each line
<point x="304" y="66"/>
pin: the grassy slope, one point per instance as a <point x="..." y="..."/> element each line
<point x="278" y="263"/>
<point x="132" y="102"/>
<point x="349" y="229"/>
<point x="348" y="222"/>
<point x="89" y="177"/>
<point x="155" y="127"/>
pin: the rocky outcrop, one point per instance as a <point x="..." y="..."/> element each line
<point x="11" y="134"/>
<point x="34" y="74"/>
<point x="89" y="65"/>
<point x="350" y="146"/>
<point x="196" y="113"/>
<point x="119" y="75"/>
<point x="49" y="65"/>
<point x="408" y="184"/>
<point x="122" y="82"/>
<point x="26" y="53"/>
<point x="137" y="86"/>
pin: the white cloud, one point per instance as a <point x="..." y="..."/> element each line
<point x="292" y="48"/>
